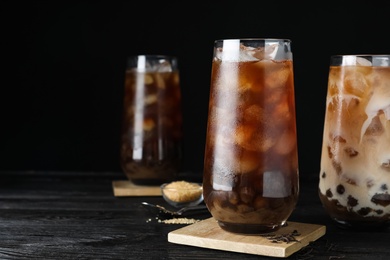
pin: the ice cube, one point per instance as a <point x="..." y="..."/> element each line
<point x="356" y="85"/>
<point x="271" y="51"/>
<point x="380" y="99"/>
<point x="163" y="66"/>
<point x="243" y="133"/>
<point x="375" y="128"/>
<point x="353" y="60"/>
<point x="286" y="143"/>
<point x="255" y="114"/>
<point x="232" y="50"/>
<point x="160" y="66"/>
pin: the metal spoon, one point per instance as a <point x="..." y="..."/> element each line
<point x="162" y="212"/>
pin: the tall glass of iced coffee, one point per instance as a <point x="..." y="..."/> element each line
<point x="151" y="139"/>
<point x="251" y="180"/>
<point x="354" y="184"/>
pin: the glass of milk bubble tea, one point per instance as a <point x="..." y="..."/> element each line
<point x="354" y="181"/>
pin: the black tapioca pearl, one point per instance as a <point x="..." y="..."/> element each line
<point x="384" y="187"/>
<point x="382" y="199"/>
<point x="352" y="202"/>
<point x="379" y="211"/>
<point x="351" y="152"/>
<point x="329" y="193"/>
<point x="323" y="175"/>
<point x="364" y="211"/>
<point x="340" y="189"/>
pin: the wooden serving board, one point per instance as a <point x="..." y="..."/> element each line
<point x="127" y="188"/>
<point x="208" y="234"/>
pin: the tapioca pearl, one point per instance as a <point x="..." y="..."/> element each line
<point x="379" y="211"/>
<point x="260" y="203"/>
<point x="246" y="194"/>
<point x="351" y="201"/>
<point x="351" y="152"/>
<point x="382" y="199"/>
<point x="244" y="208"/>
<point x="384" y="187"/>
<point x="340" y="189"/>
<point x="217" y="198"/>
<point x="329" y="193"/>
<point x="233" y="198"/>
<point x="364" y="211"/>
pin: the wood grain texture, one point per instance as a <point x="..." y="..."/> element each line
<point x="74" y="215"/>
<point x="127" y="188"/>
<point x="208" y="234"/>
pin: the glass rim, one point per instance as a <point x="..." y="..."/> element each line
<point x="360" y="55"/>
<point x="152" y="56"/>
<point x="146" y="62"/>
<point x="254" y="39"/>
<point x="368" y="60"/>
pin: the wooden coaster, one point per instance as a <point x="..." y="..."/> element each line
<point x="208" y="234"/>
<point x="127" y="188"/>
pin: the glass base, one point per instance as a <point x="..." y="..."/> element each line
<point x="249" y="229"/>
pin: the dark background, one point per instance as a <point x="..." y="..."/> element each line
<point x="63" y="69"/>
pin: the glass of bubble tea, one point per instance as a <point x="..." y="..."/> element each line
<point x="151" y="136"/>
<point x="251" y="179"/>
<point x="354" y="185"/>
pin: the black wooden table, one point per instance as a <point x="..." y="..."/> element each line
<point x="75" y="215"/>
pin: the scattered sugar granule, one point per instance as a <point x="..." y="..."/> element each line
<point x="179" y="221"/>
